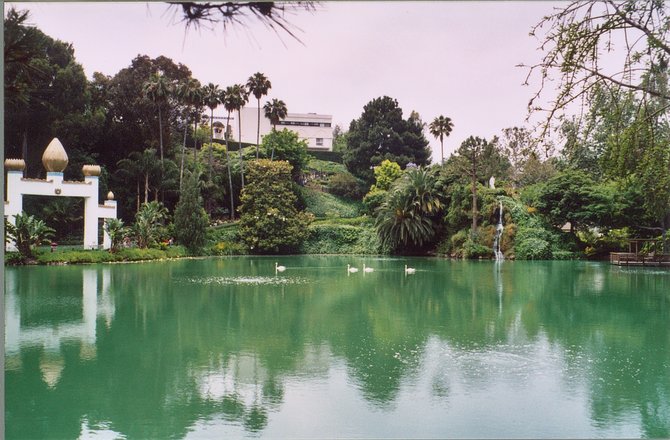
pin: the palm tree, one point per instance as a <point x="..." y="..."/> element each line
<point x="158" y="88"/>
<point x="140" y="166"/>
<point x="198" y="107"/>
<point x="229" y="108"/>
<point x="187" y="93"/>
<point x="407" y="215"/>
<point x="441" y="127"/>
<point x="213" y="96"/>
<point x="275" y="111"/>
<point x="258" y="85"/>
<point x="236" y="97"/>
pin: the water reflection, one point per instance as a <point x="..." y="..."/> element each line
<point x="77" y="324"/>
<point x="460" y="349"/>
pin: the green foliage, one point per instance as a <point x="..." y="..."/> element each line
<point x="407" y="219"/>
<point x="63" y="214"/>
<point x="385" y="174"/>
<point x="13" y="259"/>
<point x="601" y="244"/>
<point x="190" y="218"/>
<point x="225" y="240"/>
<point x="373" y="200"/>
<point x="116" y="231"/>
<point x="333" y="238"/>
<point x="532" y="248"/>
<point x="382" y="133"/>
<point x="46" y="94"/>
<point x="563" y="198"/>
<point x="99" y="256"/>
<point x="473" y="250"/>
<point x="269" y="221"/>
<point x="286" y="145"/>
<point x="339" y="140"/>
<point x="345" y="185"/>
<point x="324" y="166"/>
<point x="27" y="232"/>
<point x="483" y="158"/>
<point x="322" y="204"/>
<point x="149" y="221"/>
<point x="330" y="156"/>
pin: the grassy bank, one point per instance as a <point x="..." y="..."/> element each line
<point x="96" y="256"/>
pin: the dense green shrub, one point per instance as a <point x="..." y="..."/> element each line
<point x="13" y="259"/>
<point x="225" y="240"/>
<point x="341" y="239"/>
<point x="385" y="174"/>
<point x="564" y="255"/>
<point x="345" y="185"/>
<point x="532" y="248"/>
<point x="374" y="200"/>
<point x="269" y="220"/>
<point x="331" y="156"/>
<point x="453" y="245"/>
<point x="286" y="145"/>
<point x="472" y="249"/>
<point x="28" y="232"/>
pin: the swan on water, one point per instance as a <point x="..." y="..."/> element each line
<point x="279" y="268"/>
<point x="351" y="269"/>
<point x="367" y="269"/>
<point x="409" y="270"/>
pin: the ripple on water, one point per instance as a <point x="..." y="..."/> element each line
<point x="248" y="280"/>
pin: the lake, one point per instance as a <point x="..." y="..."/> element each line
<point x="221" y="348"/>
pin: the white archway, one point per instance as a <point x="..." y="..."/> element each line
<point x="55" y="160"/>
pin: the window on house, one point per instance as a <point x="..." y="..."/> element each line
<point x="319" y="142"/>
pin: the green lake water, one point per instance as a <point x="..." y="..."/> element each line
<point x="224" y="348"/>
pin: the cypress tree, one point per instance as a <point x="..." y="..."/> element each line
<point x="190" y="218"/>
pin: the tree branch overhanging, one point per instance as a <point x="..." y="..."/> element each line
<point x="605" y="42"/>
<point x="271" y="14"/>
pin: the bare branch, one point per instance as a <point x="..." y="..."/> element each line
<point x="579" y="45"/>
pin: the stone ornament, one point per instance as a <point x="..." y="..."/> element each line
<point x="15" y="164"/>
<point x="91" y="170"/>
<point x="54" y="158"/>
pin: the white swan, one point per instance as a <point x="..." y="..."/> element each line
<point x="279" y="268"/>
<point x="367" y="269"/>
<point x="409" y="270"/>
<point x="351" y="269"/>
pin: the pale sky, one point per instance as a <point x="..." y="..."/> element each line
<point x="456" y="59"/>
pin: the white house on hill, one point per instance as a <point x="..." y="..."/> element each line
<point x="316" y="129"/>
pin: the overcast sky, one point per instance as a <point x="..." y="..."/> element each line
<point x="456" y="59"/>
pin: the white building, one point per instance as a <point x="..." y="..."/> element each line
<point x="316" y="129"/>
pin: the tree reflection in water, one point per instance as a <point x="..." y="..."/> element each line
<point x="167" y="355"/>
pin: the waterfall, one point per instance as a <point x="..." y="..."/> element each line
<point x="499" y="230"/>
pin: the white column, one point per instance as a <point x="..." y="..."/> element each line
<point x="106" y="240"/>
<point x="91" y="215"/>
<point x="14" y="203"/>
